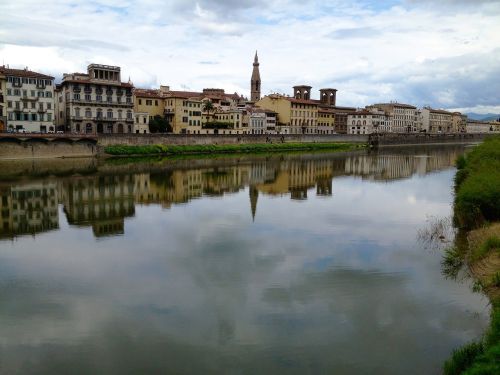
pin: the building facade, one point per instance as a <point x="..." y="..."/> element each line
<point x="436" y="120"/>
<point x="402" y="117"/>
<point x="96" y="102"/>
<point x="3" y="109"/>
<point x="368" y="121"/>
<point x="30" y="100"/>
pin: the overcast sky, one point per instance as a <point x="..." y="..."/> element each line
<point x="446" y="55"/>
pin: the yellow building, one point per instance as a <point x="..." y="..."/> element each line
<point x="151" y="102"/>
<point x="183" y="111"/>
<point x="326" y="121"/>
<point x="459" y="122"/>
<point x="295" y="116"/>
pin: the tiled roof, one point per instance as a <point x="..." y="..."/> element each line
<point x="401" y="105"/>
<point x="148" y="93"/>
<point x="301" y="101"/>
<point x="24" y="73"/>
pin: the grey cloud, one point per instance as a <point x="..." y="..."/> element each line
<point x="208" y="62"/>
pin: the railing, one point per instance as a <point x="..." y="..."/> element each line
<point x="17" y="84"/>
<point x="41" y="85"/>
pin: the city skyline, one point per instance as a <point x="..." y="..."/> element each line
<point x="421" y="53"/>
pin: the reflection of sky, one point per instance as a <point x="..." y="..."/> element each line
<point x="324" y="285"/>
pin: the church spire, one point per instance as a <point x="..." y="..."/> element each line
<point x="255" y="81"/>
<point x="254" y="196"/>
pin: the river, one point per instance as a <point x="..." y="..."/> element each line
<point x="296" y="264"/>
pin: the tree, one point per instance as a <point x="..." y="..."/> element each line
<point x="208" y="107"/>
<point x="159" y="124"/>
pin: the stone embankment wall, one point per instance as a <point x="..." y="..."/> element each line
<point x="177" y="139"/>
<point x="32" y="149"/>
<point x="393" y="139"/>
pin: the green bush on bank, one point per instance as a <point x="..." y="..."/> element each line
<point x="226" y="148"/>
<point x="477" y="185"/>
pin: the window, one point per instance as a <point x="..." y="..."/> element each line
<point x="99" y="113"/>
<point x="49" y="105"/>
<point x="48" y="94"/>
<point x="33" y="105"/>
<point x="88" y="112"/>
<point x="156" y="103"/>
<point x="33" y="117"/>
<point x="9" y="104"/>
<point x="149" y="102"/>
<point x="41" y="94"/>
<point x="25" y="93"/>
<point x="140" y="101"/>
<point x="110" y="114"/>
<point x="99" y="98"/>
<point x="77" y="112"/>
<point x="109" y="99"/>
<point x="129" y="115"/>
<point x="16" y="92"/>
<point x="120" y="114"/>
<point x="9" y="91"/>
<point x="88" y="97"/>
<point x="49" y="116"/>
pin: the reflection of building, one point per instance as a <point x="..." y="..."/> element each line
<point x="101" y="202"/>
<point x="28" y="209"/>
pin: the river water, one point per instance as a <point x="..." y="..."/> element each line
<point x="296" y="264"/>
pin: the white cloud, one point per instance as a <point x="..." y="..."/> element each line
<point x="370" y="51"/>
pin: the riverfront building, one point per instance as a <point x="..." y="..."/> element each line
<point x="436" y="120"/>
<point x="30" y="100"/>
<point x="96" y="101"/>
<point x="3" y="109"/>
<point x="402" y="117"/>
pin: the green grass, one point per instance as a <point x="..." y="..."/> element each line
<point x="229" y="148"/>
<point x="477" y="186"/>
<point x="477" y="202"/>
<point x="491" y="243"/>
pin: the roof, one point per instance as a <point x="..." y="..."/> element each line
<point x="326" y="110"/>
<point x="105" y="83"/>
<point x="24" y="73"/>
<point x="401" y="105"/>
<point x="442" y="111"/>
<point x="301" y="101"/>
<point x="148" y="93"/>
<point x="364" y="113"/>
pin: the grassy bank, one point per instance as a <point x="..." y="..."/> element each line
<point x="477" y="216"/>
<point x="229" y="148"/>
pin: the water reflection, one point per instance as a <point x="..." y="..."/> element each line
<point x="283" y="264"/>
<point x="104" y="199"/>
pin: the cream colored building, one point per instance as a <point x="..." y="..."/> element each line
<point x="96" y="101"/>
<point x="436" y="120"/>
<point x="402" y="117"/>
<point x="151" y="102"/>
<point x="30" y="100"/>
<point x="141" y="124"/>
<point x="459" y="122"/>
<point x="368" y="121"/>
<point x="475" y="126"/>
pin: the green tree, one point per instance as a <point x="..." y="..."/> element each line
<point x="208" y="107"/>
<point x="159" y="124"/>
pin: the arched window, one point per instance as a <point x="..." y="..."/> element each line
<point x="129" y="115"/>
<point x="99" y="113"/>
<point x="88" y="112"/>
<point x="110" y="113"/>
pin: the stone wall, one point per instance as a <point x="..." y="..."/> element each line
<point x="389" y="139"/>
<point x="152" y="139"/>
<point x="30" y="149"/>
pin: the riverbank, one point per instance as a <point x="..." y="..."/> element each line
<point x="131" y="150"/>
<point x="477" y="216"/>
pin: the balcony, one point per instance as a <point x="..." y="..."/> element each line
<point x="41" y="110"/>
<point x="109" y="92"/>
<point x="100" y="102"/>
<point x="17" y="84"/>
<point x="41" y="85"/>
<point x="119" y="92"/>
<point x="29" y="99"/>
<point x="77" y="89"/>
<point x="87" y="90"/>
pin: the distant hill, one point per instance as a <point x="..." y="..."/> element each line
<point x="483" y="116"/>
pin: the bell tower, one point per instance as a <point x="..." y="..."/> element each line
<point x="255" y="81"/>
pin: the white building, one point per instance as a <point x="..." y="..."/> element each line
<point x="403" y="117"/>
<point x="96" y="102"/>
<point x="436" y="120"/>
<point x="30" y="100"/>
<point x="141" y="124"/>
<point x="368" y="122"/>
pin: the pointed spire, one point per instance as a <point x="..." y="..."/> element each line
<point x="255" y="80"/>
<point x="254" y="196"/>
<point x="256" y="58"/>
